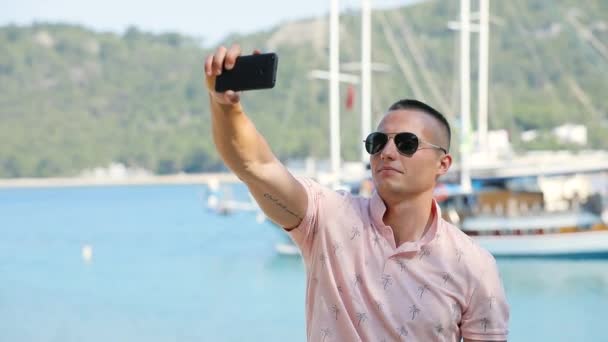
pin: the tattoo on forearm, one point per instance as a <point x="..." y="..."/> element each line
<point x="283" y="206"/>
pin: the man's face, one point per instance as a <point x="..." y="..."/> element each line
<point x="396" y="175"/>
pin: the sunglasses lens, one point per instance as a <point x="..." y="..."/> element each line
<point x="375" y="142"/>
<point x="407" y="143"/>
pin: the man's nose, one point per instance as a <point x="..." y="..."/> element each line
<point x="389" y="151"/>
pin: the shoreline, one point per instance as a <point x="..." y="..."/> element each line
<point x="176" y="179"/>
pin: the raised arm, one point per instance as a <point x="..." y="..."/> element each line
<point x="245" y="151"/>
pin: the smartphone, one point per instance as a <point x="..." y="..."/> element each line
<point x="249" y="73"/>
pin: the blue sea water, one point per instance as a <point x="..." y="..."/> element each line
<point x="164" y="268"/>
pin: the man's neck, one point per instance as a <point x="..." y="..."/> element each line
<point x="409" y="218"/>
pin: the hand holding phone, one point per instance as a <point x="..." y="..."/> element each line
<point x="251" y="72"/>
<point x="225" y="60"/>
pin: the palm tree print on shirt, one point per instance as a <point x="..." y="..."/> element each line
<point x="336" y="248"/>
<point x="358" y="280"/>
<point x="414" y="310"/>
<point x="491" y="300"/>
<point x="376" y="240"/>
<point x="446" y="277"/>
<point x="402" y="332"/>
<point x="335" y="310"/>
<point x="325" y="333"/>
<point x="355" y="233"/>
<point x="424" y="251"/>
<point x="387" y="280"/>
<point x="484" y="324"/>
<point x="439" y="329"/>
<point x="402" y="265"/>
<point x="323" y="259"/>
<point x="422" y="289"/>
<point x="459" y="254"/>
<point x="361" y="317"/>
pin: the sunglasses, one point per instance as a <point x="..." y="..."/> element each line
<point x="407" y="143"/>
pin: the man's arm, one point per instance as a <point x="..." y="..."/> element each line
<point x="244" y="150"/>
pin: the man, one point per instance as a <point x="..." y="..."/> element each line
<point x="387" y="268"/>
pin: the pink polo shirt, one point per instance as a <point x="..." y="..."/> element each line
<point x="362" y="287"/>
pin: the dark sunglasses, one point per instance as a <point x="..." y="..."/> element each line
<point x="407" y="143"/>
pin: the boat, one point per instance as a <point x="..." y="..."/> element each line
<point x="522" y="223"/>
<point x="572" y="235"/>
<point x="219" y="199"/>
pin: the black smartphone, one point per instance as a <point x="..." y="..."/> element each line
<point x="250" y="72"/>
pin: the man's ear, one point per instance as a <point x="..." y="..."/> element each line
<point x="444" y="164"/>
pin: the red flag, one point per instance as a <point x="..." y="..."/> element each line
<point x="350" y="97"/>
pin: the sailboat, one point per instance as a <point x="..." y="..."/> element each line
<point x="512" y="208"/>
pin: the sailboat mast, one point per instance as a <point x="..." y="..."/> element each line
<point x="334" y="89"/>
<point x="366" y="74"/>
<point x="465" y="94"/>
<point x="484" y="33"/>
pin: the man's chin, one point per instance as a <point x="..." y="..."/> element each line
<point x="388" y="188"/>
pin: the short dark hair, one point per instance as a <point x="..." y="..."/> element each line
<point x="406" y="104"/>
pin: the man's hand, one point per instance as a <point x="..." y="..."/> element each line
<point x="214" y="64"/>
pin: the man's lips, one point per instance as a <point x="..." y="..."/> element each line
<point x="388" y="168"/>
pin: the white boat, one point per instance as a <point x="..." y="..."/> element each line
<point x="583" y="244"/>
<point x="521" y="223"/>
<point x="220" y="200"/>
<point x="566" y="235"/>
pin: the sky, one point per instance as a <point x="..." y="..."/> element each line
<point x="209" y="20"/>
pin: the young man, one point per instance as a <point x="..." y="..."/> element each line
<point x="385" y="268"/>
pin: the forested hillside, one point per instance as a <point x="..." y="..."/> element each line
<point x="72" y="98"/>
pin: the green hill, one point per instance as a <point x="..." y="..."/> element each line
<point x="71" y="98"/>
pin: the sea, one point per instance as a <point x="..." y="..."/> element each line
<point x="153" y="263"/>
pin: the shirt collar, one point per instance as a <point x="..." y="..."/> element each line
<point x="378" y="208"/>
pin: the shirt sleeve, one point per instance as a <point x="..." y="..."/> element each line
<point x="487" y="316"/>
<point x="304" y="234"/>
